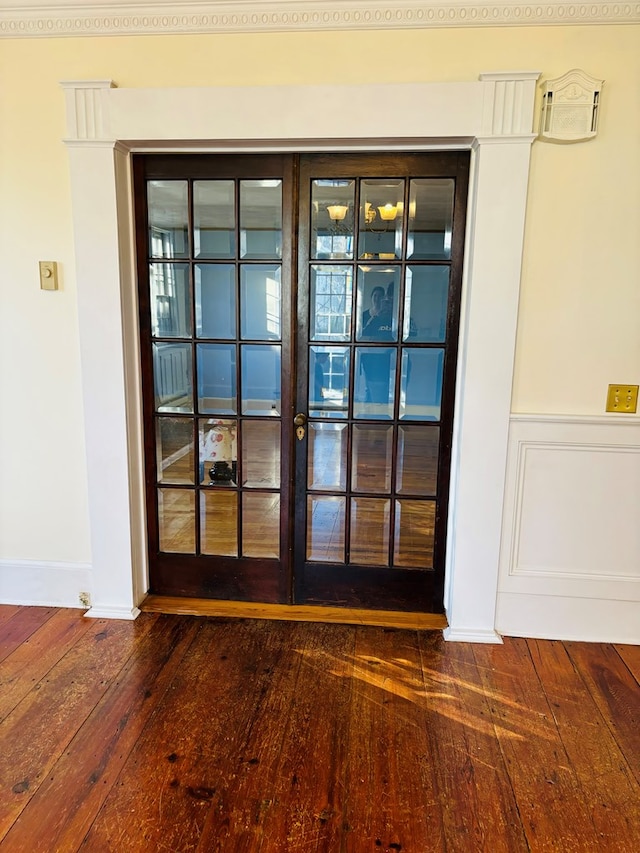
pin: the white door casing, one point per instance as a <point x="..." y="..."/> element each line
<point x="492" y="117"/>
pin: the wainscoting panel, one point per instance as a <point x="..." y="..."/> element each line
<point x="570" y="551"/>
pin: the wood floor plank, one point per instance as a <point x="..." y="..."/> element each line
<point x="616" y="693"/>
<point x="62" y="810"/>
<point x="551" y="801"/>
<point x="20" y="626"/>
<point x="631" y="656"/>
<point x="37" y="731"/>
<point x="8" y="611"/>
<point x="606" y="779"/>
<point x="391" y="793"/>
<point x="31" y="661"/>
<point x="480" y="811"/>
<point x="287" y="795"/>
<point x="189" y="750"/>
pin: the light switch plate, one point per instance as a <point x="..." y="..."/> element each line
<point x="623" y="398"/>
<point x="48" y="275"/>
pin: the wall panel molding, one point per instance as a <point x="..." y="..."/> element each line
<point x="571" y="541"/>
<point x="50" y="18"/>
<point x="44" y="583"/>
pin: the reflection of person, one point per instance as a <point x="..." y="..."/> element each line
<point x="320" y="359"/>
<point x="377" y="321"/>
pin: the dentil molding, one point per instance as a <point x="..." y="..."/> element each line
<point x="52" y="18"/>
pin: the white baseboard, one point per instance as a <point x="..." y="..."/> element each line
<point x="471" y="635"/>
<point x="44" y="583"/>
<point x="113" y="613"/>
<point x="550" y="617"/>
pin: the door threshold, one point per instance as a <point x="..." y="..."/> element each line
<point x="294" y="613"/>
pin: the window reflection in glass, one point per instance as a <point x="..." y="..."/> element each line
<point x="216" y="378"/>
<point x="381" y="218"/>
<point x="421" y="384"/>
<point x="261" y="219"/>
<point x="218" y="452"/>
<point x="425" y="304"/>
<point x="430" y="218"/>
<point x="260" y="302"/>
<point x="214" y="219"/>
<point x="332" y="209"/>
<point x="328" y="382"/>
<point x="167" y="204"/>
<point x="170" y="298"/>
<point x="172" y="377"/>
<point x="331" y="302"/>
<point x="377" y="295"/>
<point x="260" y="380"/>
<point x="375" y="370"/>
<point x="215" y="300"/>
<point x="174" y="451"/>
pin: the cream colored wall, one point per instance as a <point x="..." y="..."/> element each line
<point x="580" y="296"/>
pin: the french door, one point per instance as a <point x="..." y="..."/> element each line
<point x="298" y="327"/>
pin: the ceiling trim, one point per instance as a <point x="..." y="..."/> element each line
<point x="53" y="19"/>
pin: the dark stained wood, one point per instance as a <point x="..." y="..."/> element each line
<point x="203" y="733"/>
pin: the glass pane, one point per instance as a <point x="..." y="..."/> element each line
<point x="430" y="218"/>
<point x="327" y="457"/>
<point x="421" y="384"/>
<point x="170" y="298"/>
<point x="218" y="457"/>
<point x="414" y="534"/>
<point x="371" y="458"/>
<point x="261" y="454"/>
<point x="216" y="365"/>
<point x="214" y="219"/>
<point x="168" y="219"/>
<point x="260" y="302"/>
<point x="176" y="520"/>
<point x="172" y="378"/>
<point x="261" y="380"/>
<point x="215" y="301"/>
<point x="425" y="304"/>
<point x="375" y="382"/>
<point x="332" y="207"/>
<point x="370" y="531"/>
<point x="261" y="219"/>
<point x="174" y="450"/>
<point x="219" y="523"/>
<point x="381" y="217"/>
<point x="328" y="382"/>
<point x="260" y="525"/>
<point x="325" y="528"/>
<point x="378" y="303"/>
<point x="418" y="448"/>
<point x="331" y="303"/>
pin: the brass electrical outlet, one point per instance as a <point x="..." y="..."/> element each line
<point x="622" y="398"/>
<point x="48" y="275"/>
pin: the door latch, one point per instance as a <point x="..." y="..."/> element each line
<point x="299" y="421"/>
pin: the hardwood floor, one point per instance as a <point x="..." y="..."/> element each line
<point x="183" y="733"/>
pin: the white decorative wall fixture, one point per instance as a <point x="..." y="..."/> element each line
<point x="570" y="107"/>
<point x="55" y="18"/>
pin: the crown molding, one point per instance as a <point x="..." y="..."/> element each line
<point x="53" y="19"/>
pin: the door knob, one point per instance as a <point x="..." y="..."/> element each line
<point x="300" y="419"/>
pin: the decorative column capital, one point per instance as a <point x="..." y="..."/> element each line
<point x="508" y="102"/>
<point x="87" y="110"/>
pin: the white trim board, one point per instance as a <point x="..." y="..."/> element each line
<point x="52" y="18"/>
<point x="40" y="583"/>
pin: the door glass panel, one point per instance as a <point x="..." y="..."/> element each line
<point x="170" y="300"/>
<point x="174" y="451"/>
<point x="261" y="219"/>
<point x="167" y="210"/>
<point x="331" y="303"/>
<point x="430" y="218"/>
<point x="371" y="458"/>
<point x="375" y="369"/>
<point x="418" y="448"/>
<point x="370" y="531"/>
<point x="215" y="301"/>
<point x="176" y="520"/>
<point x="332" y="207"/>
<point x="260" y="380"/>
<point x="327" y="456"/>
<point x="217" y="439"/>
<point x="260" y="524"/>
<point x="421" y="384"/>
<point x="219" y="523"/>
<point x="214" y="219"/>
<point x="425" y="304"/>
<point x="328" y="382"/>
<point x="260" y="302"/>
<point x="378" y="289"/>
<point x="216" y="378"/>
<point x="261" y="454"/>
<point x="326" y="528"/>
<point x="414" y="534"/>
<point x="173" y="383"/>
<point x="381" y="218"/>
